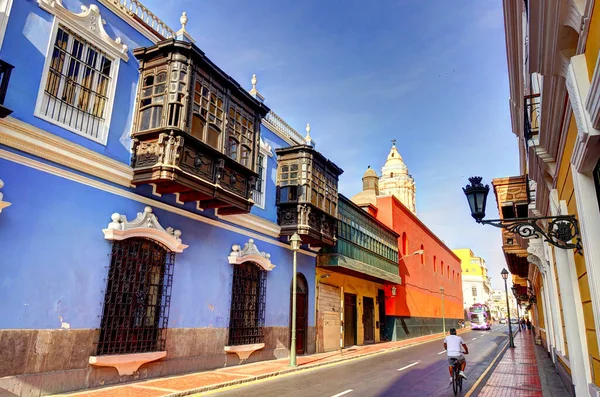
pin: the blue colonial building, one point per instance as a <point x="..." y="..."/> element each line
<point x="144" y="219"/>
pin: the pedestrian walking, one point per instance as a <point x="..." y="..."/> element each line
<point x="528" y="325"/>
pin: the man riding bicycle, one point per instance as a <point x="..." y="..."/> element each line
<point x="454" y="346"/>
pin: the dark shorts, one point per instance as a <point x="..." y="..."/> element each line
<point x="460" y="359"/>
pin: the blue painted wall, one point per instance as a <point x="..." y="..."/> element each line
<point x="25" y="47"/>
<point x="55" y="259"/>
<point x="270" y="210"/>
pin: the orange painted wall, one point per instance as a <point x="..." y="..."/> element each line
<point x="419" y="295"/>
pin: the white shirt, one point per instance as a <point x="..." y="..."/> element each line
<point x="453" y="345"/>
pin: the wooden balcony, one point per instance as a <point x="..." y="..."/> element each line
<point x="307" y="195"/>
<point x="196" y="133"/>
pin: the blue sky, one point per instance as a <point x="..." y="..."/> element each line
<point x="431" y="74"/>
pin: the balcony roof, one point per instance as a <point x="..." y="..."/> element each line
<point x="356" y="268"/>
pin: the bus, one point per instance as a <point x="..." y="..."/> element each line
<point x="479" y="315"/>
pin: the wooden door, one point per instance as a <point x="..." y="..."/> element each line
<point x="349" y="319"/>
<point x="301" y="313"/>
<point x="329" y="318"/>
<point x="369" y="319"/>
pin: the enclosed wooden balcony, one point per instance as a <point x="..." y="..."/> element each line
<point x="196" y="131"/>
<point x="307" y="195"/>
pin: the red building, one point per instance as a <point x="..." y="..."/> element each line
<point x="414" y="307"/>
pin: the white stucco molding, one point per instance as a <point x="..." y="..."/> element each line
<point x="144" y="225"/>
<point x="537" y="254"/>
<point x="250" y="253"/>
<point x="126" y="364"/>
<point x="3" y="204"/>
<point x="587" y="145"/>
<point x="29" y="139"/>
<point x="253" y="222"/>
<point x="266" y="148"/>
<point x="90" y="24"/>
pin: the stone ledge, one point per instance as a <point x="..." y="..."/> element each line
<point x="126" y="364"/>
<point x="244" y="351"/>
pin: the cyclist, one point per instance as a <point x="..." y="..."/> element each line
<point x="454" y="346"/>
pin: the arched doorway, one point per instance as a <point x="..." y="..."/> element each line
<point x="301" y="313"/>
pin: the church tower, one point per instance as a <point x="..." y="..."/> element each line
<point x="396" y="181"/>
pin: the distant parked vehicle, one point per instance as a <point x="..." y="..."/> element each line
<point x="514" y="321"/>
<point x="502" y="321"/>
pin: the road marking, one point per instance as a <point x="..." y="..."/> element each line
<point x="474" y="338"/>
<point x="408" y="366"/>
<point x="342" y="393"/>
<point x="442" y="352"/>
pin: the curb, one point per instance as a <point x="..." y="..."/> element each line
<point x="236" y="382"/>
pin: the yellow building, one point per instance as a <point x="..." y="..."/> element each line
<point x="553" y="49"/>
<point x="475" y="280"/>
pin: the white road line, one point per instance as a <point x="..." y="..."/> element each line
<point x="474" y="338"/>
<point x="342" y="393"/>
<point x="408" y="366"/>
<point x="442" y="352"/>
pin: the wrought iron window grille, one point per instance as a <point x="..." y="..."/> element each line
<point x="137" y="298"/>
<point x="247" y="317"/>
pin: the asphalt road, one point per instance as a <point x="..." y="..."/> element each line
<point x="414" y="371"/>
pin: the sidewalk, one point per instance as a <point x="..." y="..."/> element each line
<point x="524" y="372"/>
<point x="184" y="385"/>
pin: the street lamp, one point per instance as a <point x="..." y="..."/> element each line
<point x="561" y="230"/>
<point x="295" y="241"/>
<point x="511" y="342"/>
<point x="514" y="291"/>
<point x="419" y="252"/>
<point x="443" y="318"/>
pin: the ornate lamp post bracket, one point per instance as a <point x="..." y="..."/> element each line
<point x="562" y="230"/>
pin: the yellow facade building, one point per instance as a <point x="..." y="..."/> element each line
<point x="476" y="284"/>
<point x="553" y="50"/>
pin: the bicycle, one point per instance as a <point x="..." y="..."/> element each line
<point x="456" y="378"/>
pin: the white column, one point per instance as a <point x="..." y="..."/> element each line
<point x="572" y="309"/>
<point x="559" y="342"/>
<point x="589" y="220"/>
<point x="547" y="317"/>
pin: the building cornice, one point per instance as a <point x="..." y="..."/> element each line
<point x="50" y="169"/>
<point x="29" y="139"/>
<point x="513" y="28"/>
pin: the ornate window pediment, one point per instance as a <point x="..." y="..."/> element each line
<point x="90" y="24"/>
<point x="250" y="253"/>
<point x="144" y="225"/>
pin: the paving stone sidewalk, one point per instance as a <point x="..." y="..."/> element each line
<point x="184" y="385"/>
<point x="525" y="371"/>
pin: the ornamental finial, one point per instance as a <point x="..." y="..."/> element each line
<point x="393" y="143"/>
<point x="254" y="81"/>
<point x="183" y="20"/>
<point x="308" y="139"/>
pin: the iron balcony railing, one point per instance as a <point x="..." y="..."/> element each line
<point x="532" y="116"/>
<point x="5" y="71"/>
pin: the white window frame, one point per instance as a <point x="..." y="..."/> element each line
<point x="5" y="7"/>
<point x="89" y="26"/>
<point x="266" y="152"/>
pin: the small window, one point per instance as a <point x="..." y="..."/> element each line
<point x="259" y="191"/>
<point x="404" y="244"/>
<point x="77" y="88"/>
<point x="152" y="99"/>
<point x="434" y="264"/>
<point x="245" y="156"/>
<point x="213" y="137"/>
<point x="442" y="268"/>
<point x="288" y="193"/>
<point x="232" y="149"/>
<point x="422" y="255"/>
